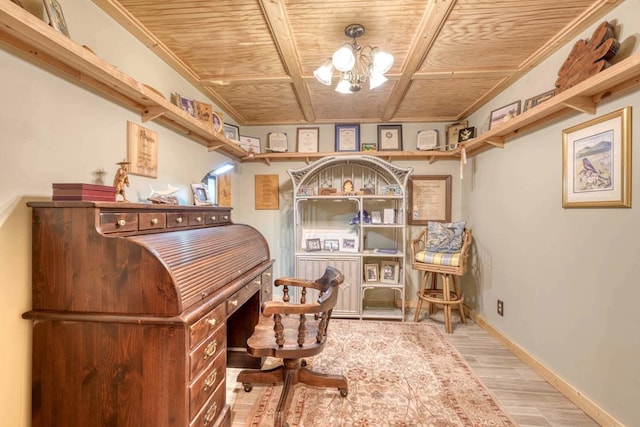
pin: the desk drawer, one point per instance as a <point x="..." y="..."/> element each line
<point x="211" y="410"/>
<point x="205" y="384"/>
<point x="115" y="222"/>
<point x="152" y="221"/>
<point x="197" y="218"/>
<point x="177" y="219"/>
<point x="206" y="325"/>
<point x="205" y="353"/>
<point x="240" y="297"/>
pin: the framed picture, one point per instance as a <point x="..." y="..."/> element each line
<point x="504" y="114"/>
<point x="376" y="217"/>
<point x="142" y="150"/>
<point x="200" y="194"/>
<point x="371" y="272"/>
<point x="232" y="132"/>
<point x="331" y="245"/>
<point x="369" y="146"/>
<point x="390" y="137"/>
<point x="349" y="245"/>
<point x="218" y="121"/>
<point x="348" y="137"/>
<point x="427" y="139"/>
<point x="277" y="142"/>
<point x="452" y="134"/>
<point x="308" y="139"/>
<point x="538" y="99"/>
<point x="250" y="143"/>
<point x="596" y="162"/>
<point x="466" y="134"/>
<point x="56" y="18"/>
<point x="389" y="272"/>
<point x="313" y="245"/>
<point x="429" y="199"/>
<point x="203" y="112"/>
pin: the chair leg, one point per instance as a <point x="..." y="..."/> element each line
<point x="254" y="376"/>
<point x="317" y="379"/>
<point x="285" y="398"/>
<point x="456" y="287"/>
<point x="434" y="287"/>
<point x="446" y="296"/>
<point x="421" y="292"/>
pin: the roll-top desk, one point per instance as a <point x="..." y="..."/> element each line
<point x="133" y="308"/>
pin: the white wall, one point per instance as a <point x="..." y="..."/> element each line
<point x="567" y="277"/>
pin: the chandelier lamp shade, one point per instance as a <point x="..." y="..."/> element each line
<point x="356" y="64"/>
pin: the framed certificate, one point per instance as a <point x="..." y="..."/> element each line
<point x="390" y="137"/>
<point x="308" y="140"/>
<point x="427" y="139"/>
<point x="429" y="199"/>
<point x="277" y="142"/>
<point x="348" y="137"/>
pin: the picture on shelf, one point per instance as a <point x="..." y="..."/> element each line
<point x="371" y="272"/>
<point x="389" y="272"/>
<point x="376" y="217"/>
<point x="331" y="245"/>
<point x="313" y="245"/>
<point x="200" y="195"/>
<point x="349" y="245"/>
<point x="56" y="18"/>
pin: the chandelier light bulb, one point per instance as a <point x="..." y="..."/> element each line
<point x="376" y="80"/>
<point x="324" y="73"/>
<point x="344" y="86"/>
<point x="343" y="58"/>
<point x="382" y="61"/>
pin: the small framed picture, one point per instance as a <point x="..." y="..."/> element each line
<point x="371" y="272"/>
<point x="466" y="134"/>
<point x="56" y="18"/>
<point x="277" y="142"/>
<point x="307" y="140"/>
<point x="538" y="99"/>
<point x="348" y="137"/>
<point x="250" y="143"/>
<point x="203" y="112"/>
<point x="390" y="137"/>
<point x="232" y="132"/>
<point x="187" y="104"/>
<point x="200" y="195"/>
<point x="389" y="272"/>
<point x="376" y="217"/>
<point x="504" y="114"/>
<point x="427" y="139"/>
<point x="313" y="245"/>
<point x="369" y="146"/>
<point x="452" y="134"/>
<point x="349" y="245"/>
<point x="218" y="121"/>
<point x="331" y="245"/>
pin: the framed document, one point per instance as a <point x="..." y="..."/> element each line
<point x="308" y="140"/>
<point x="390" y="137"/>
<point x="429" y="199"/>
<point x="427" y="139"/>
<point x="250" y="143"/>
<point x="348" y="137"/>
<point x="277" y="142"/>
<point x="452" y="134"/>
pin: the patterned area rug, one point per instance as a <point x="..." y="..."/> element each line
<point x="400" y="374"/>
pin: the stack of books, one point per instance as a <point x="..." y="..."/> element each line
<point x="86" y="192"/>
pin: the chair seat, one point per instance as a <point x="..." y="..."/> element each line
<point x="263" y="341"/>
<point x="438" y="258"/>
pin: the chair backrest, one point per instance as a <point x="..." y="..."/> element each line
<point x="419" y="244"/>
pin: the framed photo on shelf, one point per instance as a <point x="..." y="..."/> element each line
<point x="331" y="245"/>
<point x="308" y="139"/>
<point x="369" y="146"/>
<point x="203" y="113"/>
<point x="390" y="137"/>
<point x="349" y="245"/>
<point x="277" y="142"/>
<point x="596" y="162"/>
<point x="56" y="18"/>
<point x="538" y="99"/>
<point x="348" y="137"/>
<point x="376" y="217"/>
<point x="389" y="272"/>
<point x="504" y="114"/>
<point x="232" y="132"/>
<point x="250" y="143"/>
<point x="186" y="104"/>
<point x="453" y="131"/>
<point x="313" y="245"/>
<point x="466" y="134"/>
<point x="371" y="272"/>
<point x="142" y="150"/>
<point x="427" y="140"/>
<point x="429" y="199"/>
<point x="200" y="195"/>
<point x="218" y="121"/>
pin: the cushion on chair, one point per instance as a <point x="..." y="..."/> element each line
<point x="439" y="258"/>
<point x="445" y="237"/>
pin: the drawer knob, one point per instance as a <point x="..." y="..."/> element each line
<point x="179" y="219"/>
<point x="212" y="322"/>
<point x="212" y="217"/>
<point x="226" y="217"/>
<point x="234" y="302"/>
<point x="210" y="349"/>
<point x="121" y="223"/>
<point x="198" y="219"/>
<point x="154" y="221"/>
<point x="211" y="413"/>
<point x="211" y="380"/>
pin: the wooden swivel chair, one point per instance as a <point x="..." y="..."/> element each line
<point x="292" y="331"/>
<point x="447" y="267"/>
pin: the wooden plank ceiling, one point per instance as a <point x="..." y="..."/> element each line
<point x="255" y="58"/>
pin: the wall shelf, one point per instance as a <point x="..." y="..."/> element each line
<point x="36" y="40"/>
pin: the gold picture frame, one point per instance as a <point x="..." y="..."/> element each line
<point x="142" y="150"/>
<point x="596" y="162"/>
<point x="429" y="199"/>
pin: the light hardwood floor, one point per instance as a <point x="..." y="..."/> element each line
<point x="529" y="399"/>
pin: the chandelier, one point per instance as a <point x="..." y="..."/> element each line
<point x="356" y="64"/>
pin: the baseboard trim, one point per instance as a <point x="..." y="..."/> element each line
<point x="598" y="414"/>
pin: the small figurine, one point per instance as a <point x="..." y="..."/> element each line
<point x="121" y="180"/>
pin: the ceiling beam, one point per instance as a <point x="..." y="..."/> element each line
<point x="430" y="26"/>
<point x="278" y="22"/>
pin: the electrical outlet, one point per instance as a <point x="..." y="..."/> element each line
<point x="500" y="308"/>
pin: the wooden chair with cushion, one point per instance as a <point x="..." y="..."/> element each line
<point x="448" y="266"/>
<point x="291" y="332"/>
